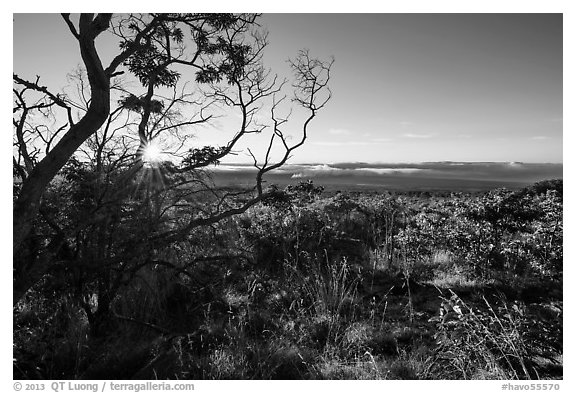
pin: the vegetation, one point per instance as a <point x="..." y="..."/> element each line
<point x="312" y="286"/>
<point x="121" y="138"/>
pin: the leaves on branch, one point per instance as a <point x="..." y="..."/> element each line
<point x="136" y="104"/>
<point x="232" y="67"/>
<point x="204" y="156"/>
<point x="149" y="65"/>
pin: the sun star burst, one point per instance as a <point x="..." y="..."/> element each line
<point x="152" y="154"/>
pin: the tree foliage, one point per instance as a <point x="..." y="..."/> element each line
<point x="80" y="156"/>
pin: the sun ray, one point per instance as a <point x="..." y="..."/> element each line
<point x="153" y="155"/>
<point x="151" y="176"/>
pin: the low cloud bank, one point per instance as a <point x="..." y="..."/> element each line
<point x="426" y="174"/>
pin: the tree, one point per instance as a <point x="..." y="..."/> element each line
<point x="112" y="126"/>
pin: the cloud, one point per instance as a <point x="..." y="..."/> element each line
<point x="382" y="171"/>
<point x="424" y="174"/>
<point x="320" y="167"/>
<point x="418" y="136"/>
<point x="234" y="168"/>
<point x="306" y="171"/>
<point x="310" y="171"/>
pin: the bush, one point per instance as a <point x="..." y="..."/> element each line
<point x="471" y="341"/>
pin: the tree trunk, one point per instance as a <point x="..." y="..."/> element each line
<point x="27" y="205"/>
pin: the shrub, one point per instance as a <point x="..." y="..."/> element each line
<point x="471" y="341"/>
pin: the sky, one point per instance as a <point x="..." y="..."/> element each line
<point x="428" y="87"/>
<point x="406" y="87"/>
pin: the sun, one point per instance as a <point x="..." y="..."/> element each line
<point x="152" y="177"/>
<point x="153" y="154"/>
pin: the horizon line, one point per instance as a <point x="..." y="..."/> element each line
<point x="403" y="162"/>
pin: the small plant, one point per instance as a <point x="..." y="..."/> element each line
<point x="328" y="293"/>
<point x="472" y="342"/>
